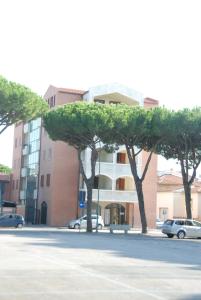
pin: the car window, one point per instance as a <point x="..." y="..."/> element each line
<point x="168" y="222"/>
<point x="197" y="223"/>
<point x="94" y="217"/>
<point x="179" y="222"/>
<point x="85" y="218"/>
<point x="189" y="223"/>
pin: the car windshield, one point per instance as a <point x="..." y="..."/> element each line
<point x="196" y="223"/>
<point x="168" y="222"/>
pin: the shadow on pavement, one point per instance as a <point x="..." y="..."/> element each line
<point x="136" y="246"/>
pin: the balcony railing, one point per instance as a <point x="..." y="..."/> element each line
<point x="24" y="172"/>
<point x="25" y="150"/>
<point x="22" y="195"/>
<point x="114" y="196"/>
<point x="113" y="170"/>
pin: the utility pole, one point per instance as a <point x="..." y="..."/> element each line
<point x="1" y="198"/>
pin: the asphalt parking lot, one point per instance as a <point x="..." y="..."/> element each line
<point x="50" y="263"/>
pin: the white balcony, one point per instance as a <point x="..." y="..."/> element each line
<point x="25" y="150"/>
<point x="24" y="172"/>
<point x="26" y="127"/>
<point x="115" y="196"/>
<point x="113" y="170"/>
<point x="22" y="195"/>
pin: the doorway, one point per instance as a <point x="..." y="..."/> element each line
<point x="114" y="214"/>
<point x="44" y="213"/>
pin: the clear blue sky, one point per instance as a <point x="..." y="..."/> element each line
<point x="150" y="45"/>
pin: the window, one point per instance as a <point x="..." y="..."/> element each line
<point x="120" y="184"/>
<point x="114" y="102"/>
<point x="121" y="158"/>
<point x="17" y="183"/>
<point x="188" y="223"/>
<point x="179" y="222"/>
<point x="197" y="223"/>
<point x="48" y="180"/>
<point x="15" y="142"/>
<point x="42" y="180"/>
<point x="169" y="222"/>
<point x="13" y="184"/>
<point x="99" y="101"/>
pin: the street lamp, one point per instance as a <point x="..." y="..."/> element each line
<point x="97" y="208"/>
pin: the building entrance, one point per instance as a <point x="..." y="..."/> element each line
<point x="114" y="214"/>
<point x="44" y="213"/>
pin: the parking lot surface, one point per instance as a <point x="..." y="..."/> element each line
<point x="50" y="263"/>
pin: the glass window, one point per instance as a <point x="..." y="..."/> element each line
<point x="168" y="222"/>
<point x="34" y="135"/>
<point x="17" y="182"/>
<point x="42" y="180"/>
<point x="48" y="180"/>
<point x="179" y="222"/>
<point x="99" y="101"/>
<point x="114" y="102"/>
<point x="196" y="223"/>
<point x="189" y="223"/>
<point x="35" y="146"/>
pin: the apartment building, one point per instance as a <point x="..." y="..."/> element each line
<point x="47" y="182"/>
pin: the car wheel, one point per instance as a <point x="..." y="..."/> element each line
<point x="181" y="234"/>
<point x="19" y="225"/>
<point x="77" y="226"/>
<point x="99" y="227"/>
<point x="170" y="235"/>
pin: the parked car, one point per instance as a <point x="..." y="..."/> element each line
<point x="182" y="228"/>
<point x="159" y="223"/>
<point x="82" y="222"/>
<point x="11" y="220"/>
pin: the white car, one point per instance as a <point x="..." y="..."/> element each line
<point x="82" y="222"/>
<point x="182" y="228"/>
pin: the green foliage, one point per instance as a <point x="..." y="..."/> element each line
<point x="182" y="136"/>
<point x="18" y="103"/>
<point x="134" y="126"/>
<point x="79" y="124"/>
<point x="4" y="169"/>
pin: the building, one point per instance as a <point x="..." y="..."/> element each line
<point x="6" y="206"/>
<point x="46" y="179"/>
<point x="171" y="197"/>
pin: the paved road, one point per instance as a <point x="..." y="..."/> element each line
<point x="47" y="264"/>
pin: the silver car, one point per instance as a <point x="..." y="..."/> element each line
<point x="182" y="228"/>
<point x="82" y="222"/>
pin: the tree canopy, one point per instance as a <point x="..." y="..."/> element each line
<point x="18" y="103"/>
<point x="79" y="124"/>
<point x="134" y="127"/>
<point x="181" y="141"/>
<point x="4" y="169"/>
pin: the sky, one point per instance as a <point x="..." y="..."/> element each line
<point x="152" y="46"/>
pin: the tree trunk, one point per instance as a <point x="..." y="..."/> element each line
<point x="187" y="190"/>
<point x="139" y="190"/>
<point x="138" y="184"/>
<point x="89" y="202"/>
